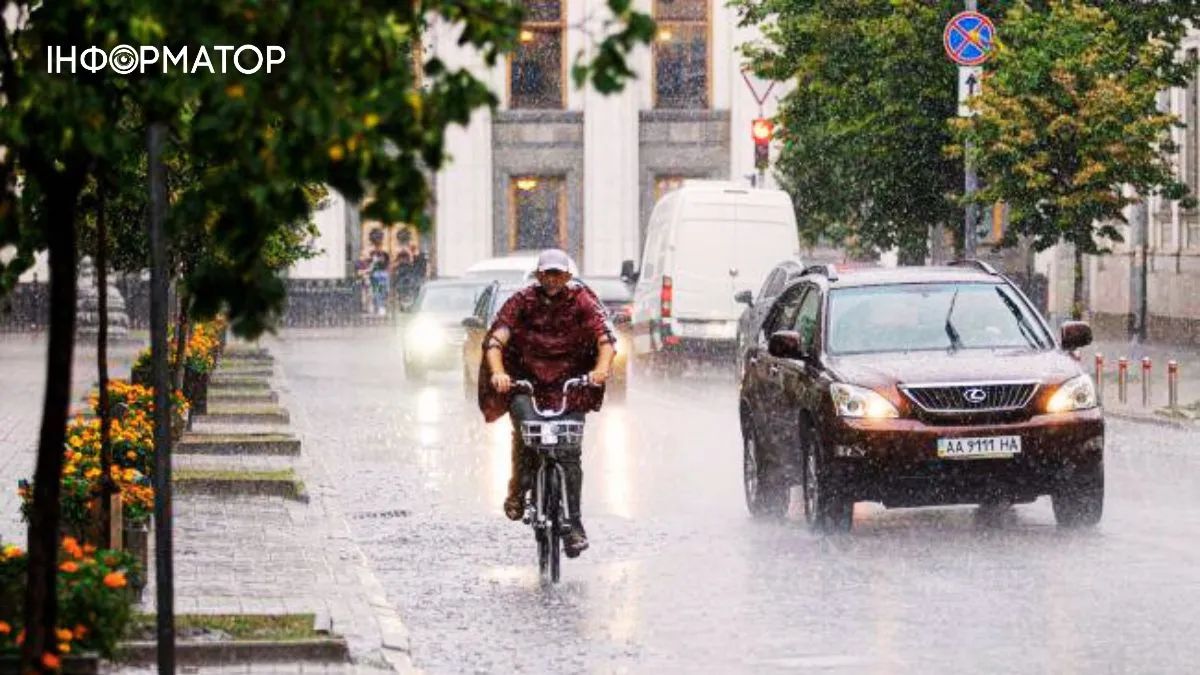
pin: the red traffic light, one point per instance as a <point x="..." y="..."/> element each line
<point x="762" y="130"/>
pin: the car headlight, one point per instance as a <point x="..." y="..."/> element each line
<point x="1077" y="393"/>
<point x="425" y="336"/>
<point x="852" y="401"/>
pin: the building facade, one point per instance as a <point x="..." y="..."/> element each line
<point x="1153" y="277"/>
<point x="557" y="165"/>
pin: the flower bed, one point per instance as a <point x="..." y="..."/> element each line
<point x="200" y="355"/>
<point x="93" y="599"/>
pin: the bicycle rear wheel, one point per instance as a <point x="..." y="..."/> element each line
<point x="549" y="538"/>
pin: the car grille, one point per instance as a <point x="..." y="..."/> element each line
<point x="971" y="398"/>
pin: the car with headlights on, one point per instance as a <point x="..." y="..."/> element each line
<point x="432" y="333"/>
<point x="616" y="294"/>
<point x="917" y="387"/>
<point x="476" y="323"/>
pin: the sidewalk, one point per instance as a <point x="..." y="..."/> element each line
<point x="232" y="554"/>
<point x="1188" y="358"/>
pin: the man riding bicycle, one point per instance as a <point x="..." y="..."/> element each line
<point x="546" y="333"/>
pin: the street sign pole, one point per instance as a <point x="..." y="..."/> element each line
<point x="970" y="184"/>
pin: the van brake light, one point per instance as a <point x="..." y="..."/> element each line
<point x="665" y="297"/>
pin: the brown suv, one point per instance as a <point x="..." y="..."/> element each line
<point x="916" y="387"/>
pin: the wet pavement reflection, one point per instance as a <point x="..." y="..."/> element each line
<point x="679" y="578"/>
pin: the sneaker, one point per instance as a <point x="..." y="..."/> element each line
<point x="575" y="542"/>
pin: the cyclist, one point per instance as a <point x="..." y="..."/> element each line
<point x="546" y="333"/>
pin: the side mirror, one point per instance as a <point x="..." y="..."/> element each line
<point x="744" y="297"/>
<point x="1075" y="334"/>
<point x="473" y="322"/>
<point x="785" y="344"/>
<point x="627" y="272"/>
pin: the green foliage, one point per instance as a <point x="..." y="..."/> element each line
<point x="864" y="127"/>
<point x="1069" y="133"/>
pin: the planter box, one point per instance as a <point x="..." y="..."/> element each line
<point x="195" y="389"/>
<point x="137" y="542"/>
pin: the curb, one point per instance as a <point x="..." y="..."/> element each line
<point x="1151" y="418"/>
<point x="250" y="444"/>
<point x="238" y="381"/>
<point x="233" y="487"/>
<point x="246" y="371"/>
<point x="236" y="397"/>
<point x="322" y="650"/>
<point x="280" y="417"/>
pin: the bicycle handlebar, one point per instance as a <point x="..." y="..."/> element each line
<point x="581" y="381"/>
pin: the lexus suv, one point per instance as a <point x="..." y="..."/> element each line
<point x="917" y="387"/>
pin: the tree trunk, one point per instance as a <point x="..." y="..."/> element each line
<point x="1077" y="295"/>
<point x="107" y="487"/>
<point x="41" y="599"/>
<point x="182" y="333"/>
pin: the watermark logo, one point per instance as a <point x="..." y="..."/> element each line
<point x="126" y="59"/>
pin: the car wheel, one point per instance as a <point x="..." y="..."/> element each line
<point x="825" y="509"/>
<point x="1079" y="500"/>
<point x="766" y="491"/>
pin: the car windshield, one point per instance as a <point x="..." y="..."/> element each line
<point x="449" y="298"/>
<point x="916" y="317"/>
<point x="609" y="290"/>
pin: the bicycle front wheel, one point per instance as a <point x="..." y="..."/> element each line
<point x="548" y="538"/>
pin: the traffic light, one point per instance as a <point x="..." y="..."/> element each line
<point x="762" y="130"/>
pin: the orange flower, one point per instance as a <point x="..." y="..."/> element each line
<point x="70" y="545"/>
<point x="5" y="629"/>
<point x="69" y="567"/>
<point x="89" y="549"/>
<point x="20" y="637"/>
<point x="64" y="648"/>
<point x="64" y="635"/>
<point x="114" y="579"/>
<point x="51" y="661"/>
<point x="81" y="631"/>
<point x="11" y="551"/>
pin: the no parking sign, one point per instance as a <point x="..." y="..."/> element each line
<point x="969" y="38"/>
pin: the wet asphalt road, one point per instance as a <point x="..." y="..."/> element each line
<point x="679" y="578"/>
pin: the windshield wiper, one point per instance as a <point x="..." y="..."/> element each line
<point x="951" y="332"/>
<point x="1027" y="331"/>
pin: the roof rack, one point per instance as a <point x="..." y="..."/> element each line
<point x="829" y="271"/>
<point x="976" y="263"/>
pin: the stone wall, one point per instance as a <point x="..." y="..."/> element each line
<point x="691" y="143"/>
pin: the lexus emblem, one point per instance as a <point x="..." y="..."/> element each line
<point x="975" y="395"/>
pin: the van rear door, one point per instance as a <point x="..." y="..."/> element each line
<point x="703" y="253"/>
<point x="765" y="236"/>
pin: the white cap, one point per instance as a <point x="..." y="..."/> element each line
<point x="553" y="259"/>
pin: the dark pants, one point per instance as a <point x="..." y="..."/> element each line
<point x="525" y="461"/>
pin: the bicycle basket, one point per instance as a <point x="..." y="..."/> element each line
<point x="551" y="433"/>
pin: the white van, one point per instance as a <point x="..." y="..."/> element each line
<point x="705" y="242"/>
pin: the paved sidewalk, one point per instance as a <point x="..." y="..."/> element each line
<point x="1188" y="359"/>
<point x="232" y="554"/>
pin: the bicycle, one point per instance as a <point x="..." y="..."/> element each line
<point x="548" y="510"/>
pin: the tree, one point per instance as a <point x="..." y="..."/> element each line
<point x="864" y="129"/>
<point x="343" y="109"/>
<point x="1069" y="133"/>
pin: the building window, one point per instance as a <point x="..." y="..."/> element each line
<point x="536" y="67"/>
<point x="537" y="213"/>
<point x="681" y="77"/>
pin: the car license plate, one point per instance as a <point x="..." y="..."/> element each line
<point x="979" y="448"/>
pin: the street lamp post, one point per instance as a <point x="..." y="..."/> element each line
<point x="970" y="185"/>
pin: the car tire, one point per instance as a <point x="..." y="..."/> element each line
<point x="765" y="487"/>
<point x="826" y="510"/>
<point x="1079" y="500"/>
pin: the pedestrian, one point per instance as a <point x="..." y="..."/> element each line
<point x="378" y="263"/>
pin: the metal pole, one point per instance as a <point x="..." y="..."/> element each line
<point x="1123" y="379"/>
<point x="970" y="184"/>
<point x="1100" y="379"/>
<point x="1172" y="384"/>
<point x="1144" y="270"/>
<point x="164" y="568"/>
<point x="1145" y="381"/>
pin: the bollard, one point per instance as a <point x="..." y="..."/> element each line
<point x="1145" y="381"/>
<point x="1122" y="379"/>
<point x="1099" y="379"/>
<point x="1172" y="384"/>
